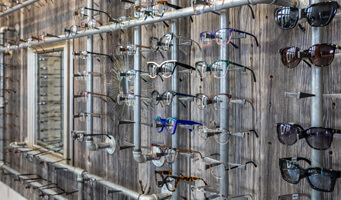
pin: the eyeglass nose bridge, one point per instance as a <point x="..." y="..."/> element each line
<point x="303" y="54"/>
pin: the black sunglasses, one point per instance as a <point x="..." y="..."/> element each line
<point x="317" y="15"/>
<point x="317" y="137"/>
<point x="320" y="179"/>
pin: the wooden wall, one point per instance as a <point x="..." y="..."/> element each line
<point x="267" y="95"/>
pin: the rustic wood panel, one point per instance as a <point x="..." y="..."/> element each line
<point x="267" y="95"/>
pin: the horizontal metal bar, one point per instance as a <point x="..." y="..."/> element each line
<point x="186" y="99"/>
<point x="17" y="7"/>
<point x="185" y="12"/>
<point x="238" y="101"/>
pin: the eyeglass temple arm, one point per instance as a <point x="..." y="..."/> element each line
<point x="102" y="54"/>
<point x="177" y="7"/>
<point x="127" y="1"/>
<point x="252" y="13"/>
<point x="253" y="73"/>
<point x="297" y="159"/>
<point x="182" y="65"/>
<point x="247" y="34"/>
<point x="110" y="18"/>
<point x="185" y="95"/>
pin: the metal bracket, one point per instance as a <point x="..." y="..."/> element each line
<point x="243" y="35"/>
<point x="161" y="161"/>
<point x="110" y="139"/>
<point x="299" y="95"/>
<point x="336" y="96"/>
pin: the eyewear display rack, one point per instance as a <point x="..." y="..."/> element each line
<point x="17" y="7"/>
<point x="224" y="121"/>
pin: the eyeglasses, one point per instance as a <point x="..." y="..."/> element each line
<point x="84" y="74"/>
<point x="73" y="30"/>
<point x="200" y="5"/>
<point x="317" y="137"/>
<point x="172" y="181"/>
<point x="219" y="101"/>
<point x="320" y="55"/>
<point x="130" y="75"/>
<point x="79" y="135"/>
<point x="171" y="123"/>
<point x="199" y="193"/>
<point x="221" y="136"/>
<point x="43" y="36"/>
<point x="219" y="68"/>
<point x="128" y="49"/>
<point x="222" y="37"/>
<point x="166" y="97"/>
<point x="320" y="179"/>
<point x="317" y="15"/>
<point x="165" y="69"/>
<point x="171" y="154"/>
<point x="82" y="115"/>
<point x="296" y="196"/>
<point x="85" y="54"/>
<point x="164" y="43"/>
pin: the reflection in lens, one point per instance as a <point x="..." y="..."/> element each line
<point x="198" y="7"/>
<point x="321" y="54"/>
<point x="167" y="98"/>
<point x="206" y="38"/>
<point x="167" y="69"/>
<point x="119" y="50"/>
<point x="222" y="137"/>
<point x="131" y="49"/>
<point x="223" y="36"/>
<point x="203" y="132"/>
<point x="159" y="180"/>
<point x="321" y="179"/>
<point x="219" y="69"/>
<point x="286" y="17"/>
<point x="290" y="57"/>
<point x="152" y="70"/>
<point x="74" y="30"/>
<point x="202" y="101"/>
<point x="201" y="69"/>
<point x="131" y="74"/>
<point x="158" y="124"/>
<point x="198" y="194"/>
<point x="287" y="134"/>
<point x="290" y="172"/>
<point x="170" y="181"/>
<point x="320" y="14"/>
<point x="155" y="97"/>
<point x="153" y="42"/>
<point x="165" y="42"/>
<point x="199" y="164"/>
<point x="170" y="156"/>
<point x="217" y="170"/>
<point x="319" y="138"/>
<point x="170" y="125"/>
<point x="130" y="100"/>
<point x="221" y="102"/>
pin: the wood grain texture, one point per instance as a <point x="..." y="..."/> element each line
<point x="267" y="95"/>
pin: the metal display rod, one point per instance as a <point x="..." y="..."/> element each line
<point x="79" y="172"/>
<point x="17" y="7"/>
<point x="316" y="104"/>
<point x="224" y="117"/>
<point x="185" y="12"/>
<point x="175" y="103"/>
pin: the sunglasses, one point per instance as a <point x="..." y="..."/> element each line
<point x="170" y="181"/>
<point x="165" y="69"/>
<point x="164" y="42"/>
<point x="166" y="97"/>
<point x="317" y="137"/>
<point x="222" y="37"/>
<point x="320" y="55"/>
<point x="320" y="179"/>
<point x="317" y="15"/>
<point x="219" y="68"/>
<point x="296" y="196"/>
<point x="171" y="123"/>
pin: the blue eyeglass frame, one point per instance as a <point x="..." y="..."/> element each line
<point x="163" y="121"/>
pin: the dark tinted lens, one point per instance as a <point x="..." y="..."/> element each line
<point x="286" y="17"/>
<point x="320" y="14"/>
<point x="322" y="179"/>
<point x="290" y="56"/>
<point x="319" y="138"/>
<point x="290" y="172"/>
<point x="321" y="54"/>
<point x="287" y="134"/>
